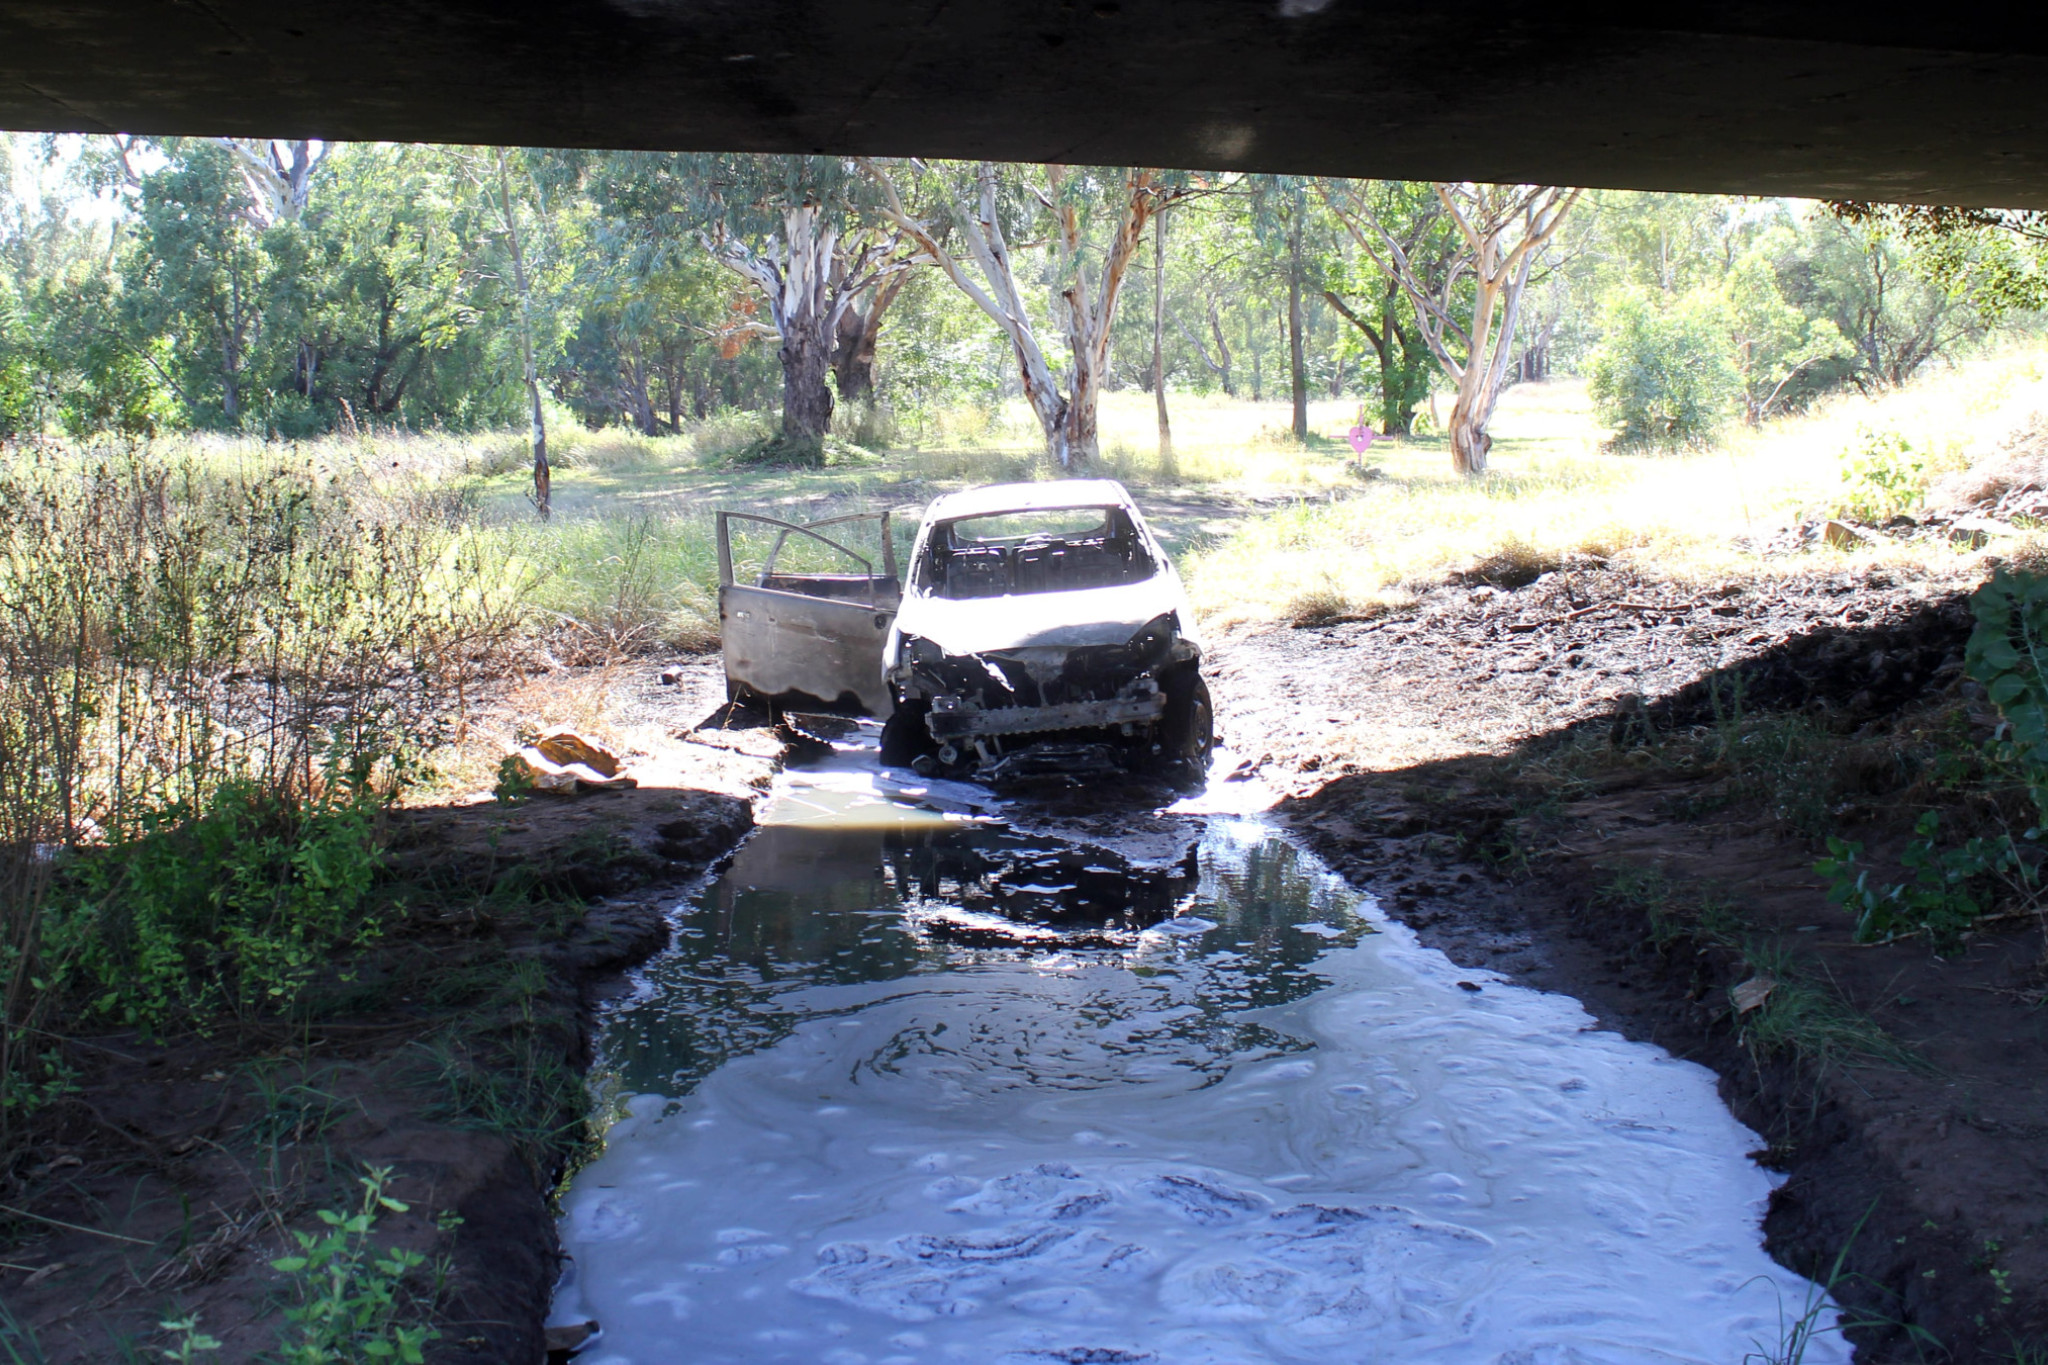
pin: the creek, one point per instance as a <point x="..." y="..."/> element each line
<point x="912" y="1087"/>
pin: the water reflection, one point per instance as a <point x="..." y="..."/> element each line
<point x="811" y="904"/>
<point x="935" y="1093"/>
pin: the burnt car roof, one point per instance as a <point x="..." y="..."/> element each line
<point x="1028" y="497"/>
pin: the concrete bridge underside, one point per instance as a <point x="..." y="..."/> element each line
<point x="1881" y="100"/>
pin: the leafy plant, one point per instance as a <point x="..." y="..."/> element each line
<point x="1798" y="1332"/>
<point x="351" y="1298"/>
<point x="234" y="905"/>
<point x="515" y="781"/>
<point x="1945" y="895"/>
<point x="2008" y="654"/>
<point x="1882" y="476"/>
<point x="190" y="1343"/>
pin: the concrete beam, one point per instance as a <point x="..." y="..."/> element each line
<point x="1880" y="100"/>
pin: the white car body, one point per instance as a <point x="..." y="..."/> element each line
<point x="1061" y="650"/>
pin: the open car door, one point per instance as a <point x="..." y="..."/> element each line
<point x="807" y="633"/>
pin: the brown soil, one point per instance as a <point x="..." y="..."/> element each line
<point x="451" y="1053"/>
<point x="1495" y="766"/>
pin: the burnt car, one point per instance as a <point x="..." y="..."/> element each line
<point x="1042" y="630"/>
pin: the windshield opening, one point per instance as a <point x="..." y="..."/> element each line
<point x="1061" y="549"/>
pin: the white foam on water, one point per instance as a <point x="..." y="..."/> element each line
<point x="1085" y="1159"/>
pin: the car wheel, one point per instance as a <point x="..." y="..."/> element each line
<point x="1188" y="729"/>
<point x="904" y="736"/>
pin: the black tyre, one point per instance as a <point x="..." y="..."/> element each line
<point x="904" y="735"/>
<point x="1188" y="729"/>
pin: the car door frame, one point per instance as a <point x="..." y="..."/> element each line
<point x="808" y="642"/>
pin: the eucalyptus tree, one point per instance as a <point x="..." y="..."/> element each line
<point x="1501" y="228"/>
<point x="1283" y="211"/>
<point x="804" y="231"/>
<point x="1882" y="293"/>
<point x="198" y="282"/>
<point x="516" y="232"/>
<point x="1374" y="302"/>
<point x="1087" y="221"/>
<point x="397" y="269"/>
<point x="278" y="173"/>
<point x="1996" y="260"/>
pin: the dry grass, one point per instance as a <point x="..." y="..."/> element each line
<point x="1553" y="492"/>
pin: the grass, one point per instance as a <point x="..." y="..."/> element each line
<point x="1553" y="492"/>
<point x="1800" y="1016"/>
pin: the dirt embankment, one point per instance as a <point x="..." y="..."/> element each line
<point x="452" y="1053"/>
<point x="1618" y="790"/>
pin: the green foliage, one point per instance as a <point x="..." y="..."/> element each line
<point x="1882" y="476"/>
<point x="1949" y="889"/>
<point x="514" y="783"/>
<point x="1777" y="345"/>
<point x="2008" y="654"/>
<point x="190" y="1343"/>
<point x="1665" y="377"/>
<point x="1947" y="892"/>
<point x="351" y="1300"/>
<point x="235" y="905"/>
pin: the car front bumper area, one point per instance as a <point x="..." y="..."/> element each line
<point x="953" y="718"/>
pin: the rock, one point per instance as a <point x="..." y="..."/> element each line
<point x="566" y="1338"/>
<point x="1975" y="532"/>
<point x="547" y="774"/>
<point x="709" y="824"/>
<point x="1843" y="536"/>
<point x="563" y="745"/>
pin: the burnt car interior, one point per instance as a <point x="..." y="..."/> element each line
<point x="1051" y="550"/>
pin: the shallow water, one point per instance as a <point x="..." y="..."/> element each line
<point x="915" y="1089"/>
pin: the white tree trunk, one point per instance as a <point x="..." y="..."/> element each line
<point x="1066" y="414"/>
<point x="810" y="277"/>
<point x="537" y="430"/>
<point x="1503" y="228"/>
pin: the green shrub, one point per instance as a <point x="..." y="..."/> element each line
<point x="351" y="1297"/>
<point x="1882" y="476"/>
<point x="2008" y="654"/>
<point x="1949" y="889"/>
<point x="235" y="906"/>
<point x="1665" y="378"/>
<point x="1947" y="892"/>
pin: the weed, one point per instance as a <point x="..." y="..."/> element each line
<point x="1949" y="889"/>
<point x="351" y="1300"/>
<point x="1882" y="475"/>
<point x="525" y="1092"/>
<point x="290" y="1112"/>
<point x="190" y="1342"/>
<point x="1811" y="1020"/>
<point x="234" y="905"/>
<point x="1797" y="1333"/>
<point x="1675" y="915"/>
<point x="18" y="1341"/>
